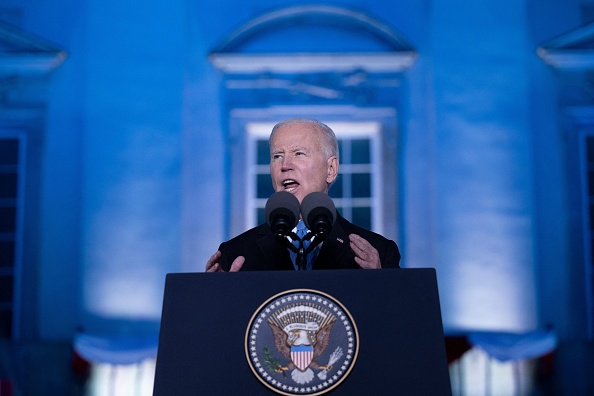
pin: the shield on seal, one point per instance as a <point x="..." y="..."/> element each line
<point x="301" y="355"/>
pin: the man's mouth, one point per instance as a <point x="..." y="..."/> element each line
<point x="290" y="185"/>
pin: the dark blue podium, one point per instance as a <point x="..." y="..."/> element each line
<point x="209" y="319"/>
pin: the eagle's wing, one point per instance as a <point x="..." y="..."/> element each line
<point x="322" y="338"/>
<point x="280" y="340"/>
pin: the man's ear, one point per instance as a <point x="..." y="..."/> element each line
<point x="332" y="169"/>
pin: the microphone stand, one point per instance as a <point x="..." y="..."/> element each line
<point x="302" y="253"/>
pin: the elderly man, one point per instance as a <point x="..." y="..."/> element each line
<point x="304" y="159"/>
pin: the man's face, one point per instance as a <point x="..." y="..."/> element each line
<point x="297" y="161"/>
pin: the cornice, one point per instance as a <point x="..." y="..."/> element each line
<point x="313" y="62"/>
<point x="23" y="53"/>
<point x="572" y="50"/>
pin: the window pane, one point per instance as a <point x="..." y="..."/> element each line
<point x="261" y="215"/>
<point x="9" y="151"/>
<point x="8" y="185"/>
<point x="263" y="152"/>
<point x="360" y="151"/>
<point x="362" y="217"/>
<point x="340" y="149"/>
<point x="361" y="185"/>
<point x="6" y="288"/>
<point x="336" y="188"/>
<point x="6" y="254"/>
<point x="5" y="324"/>
<point x="7" y="219"/>
<point x="265" y="189"/>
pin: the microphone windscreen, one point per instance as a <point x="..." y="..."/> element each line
<point x="317" y="203"/>
<point x="282" y="203"/>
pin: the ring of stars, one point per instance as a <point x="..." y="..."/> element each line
<point x="343" y="337"/>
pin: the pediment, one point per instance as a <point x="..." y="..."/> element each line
<point x="23" y="53"/>
<point x="573" y="50"/>
<point x="312" y="38"/>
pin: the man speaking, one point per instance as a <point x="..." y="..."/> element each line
<point x="303" y="162"/>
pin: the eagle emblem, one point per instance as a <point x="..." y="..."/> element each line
<point x="301" y="342"/>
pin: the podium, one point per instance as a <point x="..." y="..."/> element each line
<point x="232" y="333"/>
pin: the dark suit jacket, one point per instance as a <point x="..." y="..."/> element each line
<point x="262" y="252"/>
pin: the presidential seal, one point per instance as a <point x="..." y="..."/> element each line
<point x="301" y="342"/>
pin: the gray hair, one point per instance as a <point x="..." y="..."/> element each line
<point x="329" y="142"/>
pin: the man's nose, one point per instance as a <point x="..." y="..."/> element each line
<point x="287" y="162"/>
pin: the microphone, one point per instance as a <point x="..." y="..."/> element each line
<point x="318" y="213"/>
<point x="282" y="214"/>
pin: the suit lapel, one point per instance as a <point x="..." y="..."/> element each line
<point x="276" y="255"/>
<point x="335" y="249"/>
<point x="335" y="252"/>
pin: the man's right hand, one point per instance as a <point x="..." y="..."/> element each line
<point x="214" y="263"/>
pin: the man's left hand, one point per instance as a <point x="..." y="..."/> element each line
<point x="365" y="254"/>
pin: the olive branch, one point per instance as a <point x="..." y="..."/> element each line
<point x="272" y="363"/>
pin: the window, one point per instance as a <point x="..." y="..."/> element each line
<point x="357" y="191"/>
<point x="10" y="212"/>
<point x="353" y="81"/>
